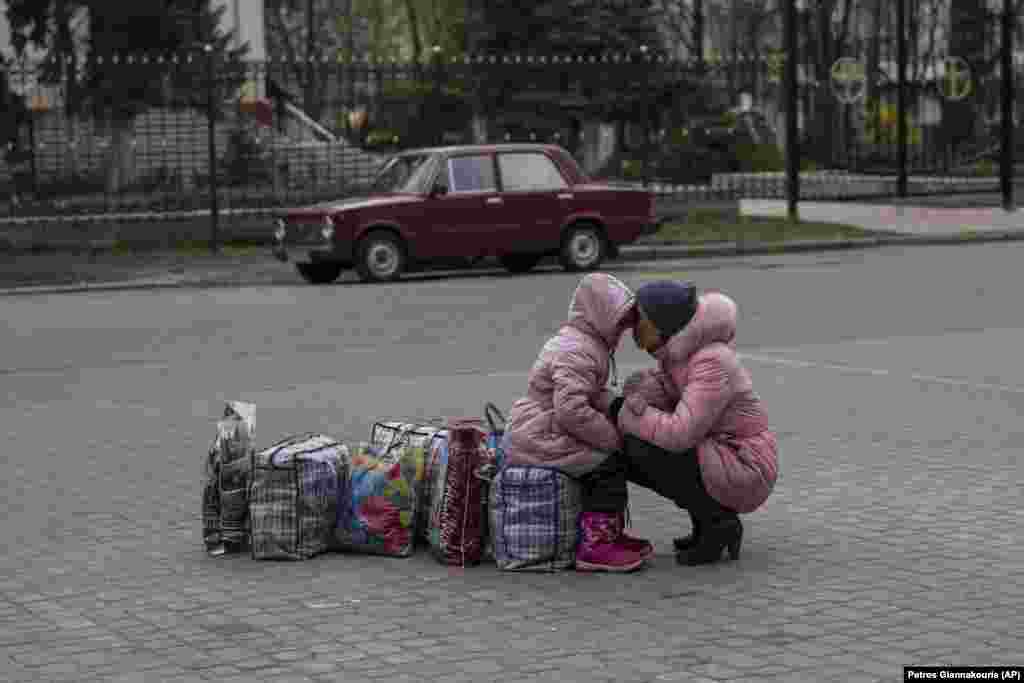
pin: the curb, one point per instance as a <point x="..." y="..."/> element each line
<point x="669" y="251"/>
<point x="631" y="254"/>
<point x="115" y="285"/>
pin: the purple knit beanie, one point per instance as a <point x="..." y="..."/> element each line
<point x="668" y="304"/>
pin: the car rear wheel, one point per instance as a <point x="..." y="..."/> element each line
<point x="321" y="273"/>
<point x="381" y="257"/>
<point x="583" y="248"/>
<point x="520" y="263"/>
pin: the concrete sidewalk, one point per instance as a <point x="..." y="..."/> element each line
<point x="920" y="221"/>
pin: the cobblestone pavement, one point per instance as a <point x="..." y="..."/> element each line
<point x="892" y="538"/>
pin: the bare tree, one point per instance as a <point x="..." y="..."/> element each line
<point x="305" y="33"/>
<point x="684" y="24"/>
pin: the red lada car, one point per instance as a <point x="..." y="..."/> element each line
<point x="516" y="202"/>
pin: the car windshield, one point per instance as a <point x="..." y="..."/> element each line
<point x="402" y="173"/>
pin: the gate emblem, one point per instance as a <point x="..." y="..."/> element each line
<point x="849" y="80"/>
<point x="957" y="83"/>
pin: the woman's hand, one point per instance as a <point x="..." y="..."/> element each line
<point x="652" y="387"/>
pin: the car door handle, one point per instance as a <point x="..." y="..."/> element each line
<point x="494" y="201"/>
<point x="565" y="195"/>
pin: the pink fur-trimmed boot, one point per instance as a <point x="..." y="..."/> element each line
<point x="600" y="548"/>
<point x="639" y="545"/>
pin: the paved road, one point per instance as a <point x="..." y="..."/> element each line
<point x="892" y="538"/>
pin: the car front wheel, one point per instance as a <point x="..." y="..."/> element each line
<point x="381" y="257"/>
<point x="582" y="249"/>
<point x="520" y="263"/>
<point x="321" y="273"/>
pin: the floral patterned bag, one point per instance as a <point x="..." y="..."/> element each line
<point x="378" y="503"/>
<point x="389" y="434"/>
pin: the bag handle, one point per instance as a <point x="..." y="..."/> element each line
<point x="411" y="424"/>
<point x="402" y="438"/>
<point x="490" y="411"/>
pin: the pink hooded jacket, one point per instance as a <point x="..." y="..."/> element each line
<point x="715" y="408"/>
<point x="562" y="422"/>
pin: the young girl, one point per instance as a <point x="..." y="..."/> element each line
<point x="694" y="429"/>
<point x="567" y="420"/>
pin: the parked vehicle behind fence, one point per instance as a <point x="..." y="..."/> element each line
<point x="517" y="202"/>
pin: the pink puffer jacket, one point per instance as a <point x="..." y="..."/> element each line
<point x="562" y="420"/>
<point x="703" y="397"/>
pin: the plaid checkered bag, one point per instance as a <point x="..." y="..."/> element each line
<point x="293" y="499"/>
<point x="455" y="527"/>
<point x="495" y="457"/>
<point x="533" y="517"/>
<point x="380" y="499"/>
<point x="227" y="471"/>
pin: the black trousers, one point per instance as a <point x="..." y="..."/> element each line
<point x="675" y="476"/>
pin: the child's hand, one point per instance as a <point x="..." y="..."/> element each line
<point x="614" y="408"/>
<point x="637" y="404"/>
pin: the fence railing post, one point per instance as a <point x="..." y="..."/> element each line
<point x="211" y="114"/>
<point x="792" y="114"/>
<point x="645" y="164"/>
<point x="901" y="95"/>
<point x="439" y="123"/>
<point x="1007" y="161"/>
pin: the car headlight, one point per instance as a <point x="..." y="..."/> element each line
<point x="280" y="231"/>
<point x="327" y="232"/>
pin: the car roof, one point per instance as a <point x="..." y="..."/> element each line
<point x="495" y="147"/>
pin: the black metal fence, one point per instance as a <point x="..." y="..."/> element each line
<point x="913" y="103"/>
<point x="236" y="141"/>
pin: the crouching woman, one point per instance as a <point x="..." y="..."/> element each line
<point x="694" y="430"/>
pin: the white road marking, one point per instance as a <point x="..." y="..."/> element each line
<point x="879" y="372"/>
<point x="625" y="370"/>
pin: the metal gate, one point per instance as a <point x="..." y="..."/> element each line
<point x="905" y="98"/>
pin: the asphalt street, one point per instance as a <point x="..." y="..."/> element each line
<point x="892" y="539"/>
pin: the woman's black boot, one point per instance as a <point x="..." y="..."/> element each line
<point x="722" y="534"/>
<point x="686" y="542"/>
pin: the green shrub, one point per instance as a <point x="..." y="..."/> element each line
<point x="729" y="119"/>
<point x="68" y="185"/>
<point x="986" y="168"/>
<point x="245" y="161"/>
<point x="383" y="137"/>
<point x="631" y="168"/>
<point x="753" y="158"/>
<point x="679" y="136"/>
<point x="882" y="125"/>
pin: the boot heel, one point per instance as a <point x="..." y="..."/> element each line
<point x="723" y="536"/>
<point x="734" y="549"/>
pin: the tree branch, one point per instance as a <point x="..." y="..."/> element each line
<point x="284" y="36"/>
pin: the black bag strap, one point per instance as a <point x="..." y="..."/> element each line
<point x="491" y="412"/>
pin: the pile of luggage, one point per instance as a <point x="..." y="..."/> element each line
<point x="439" y="485"/>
